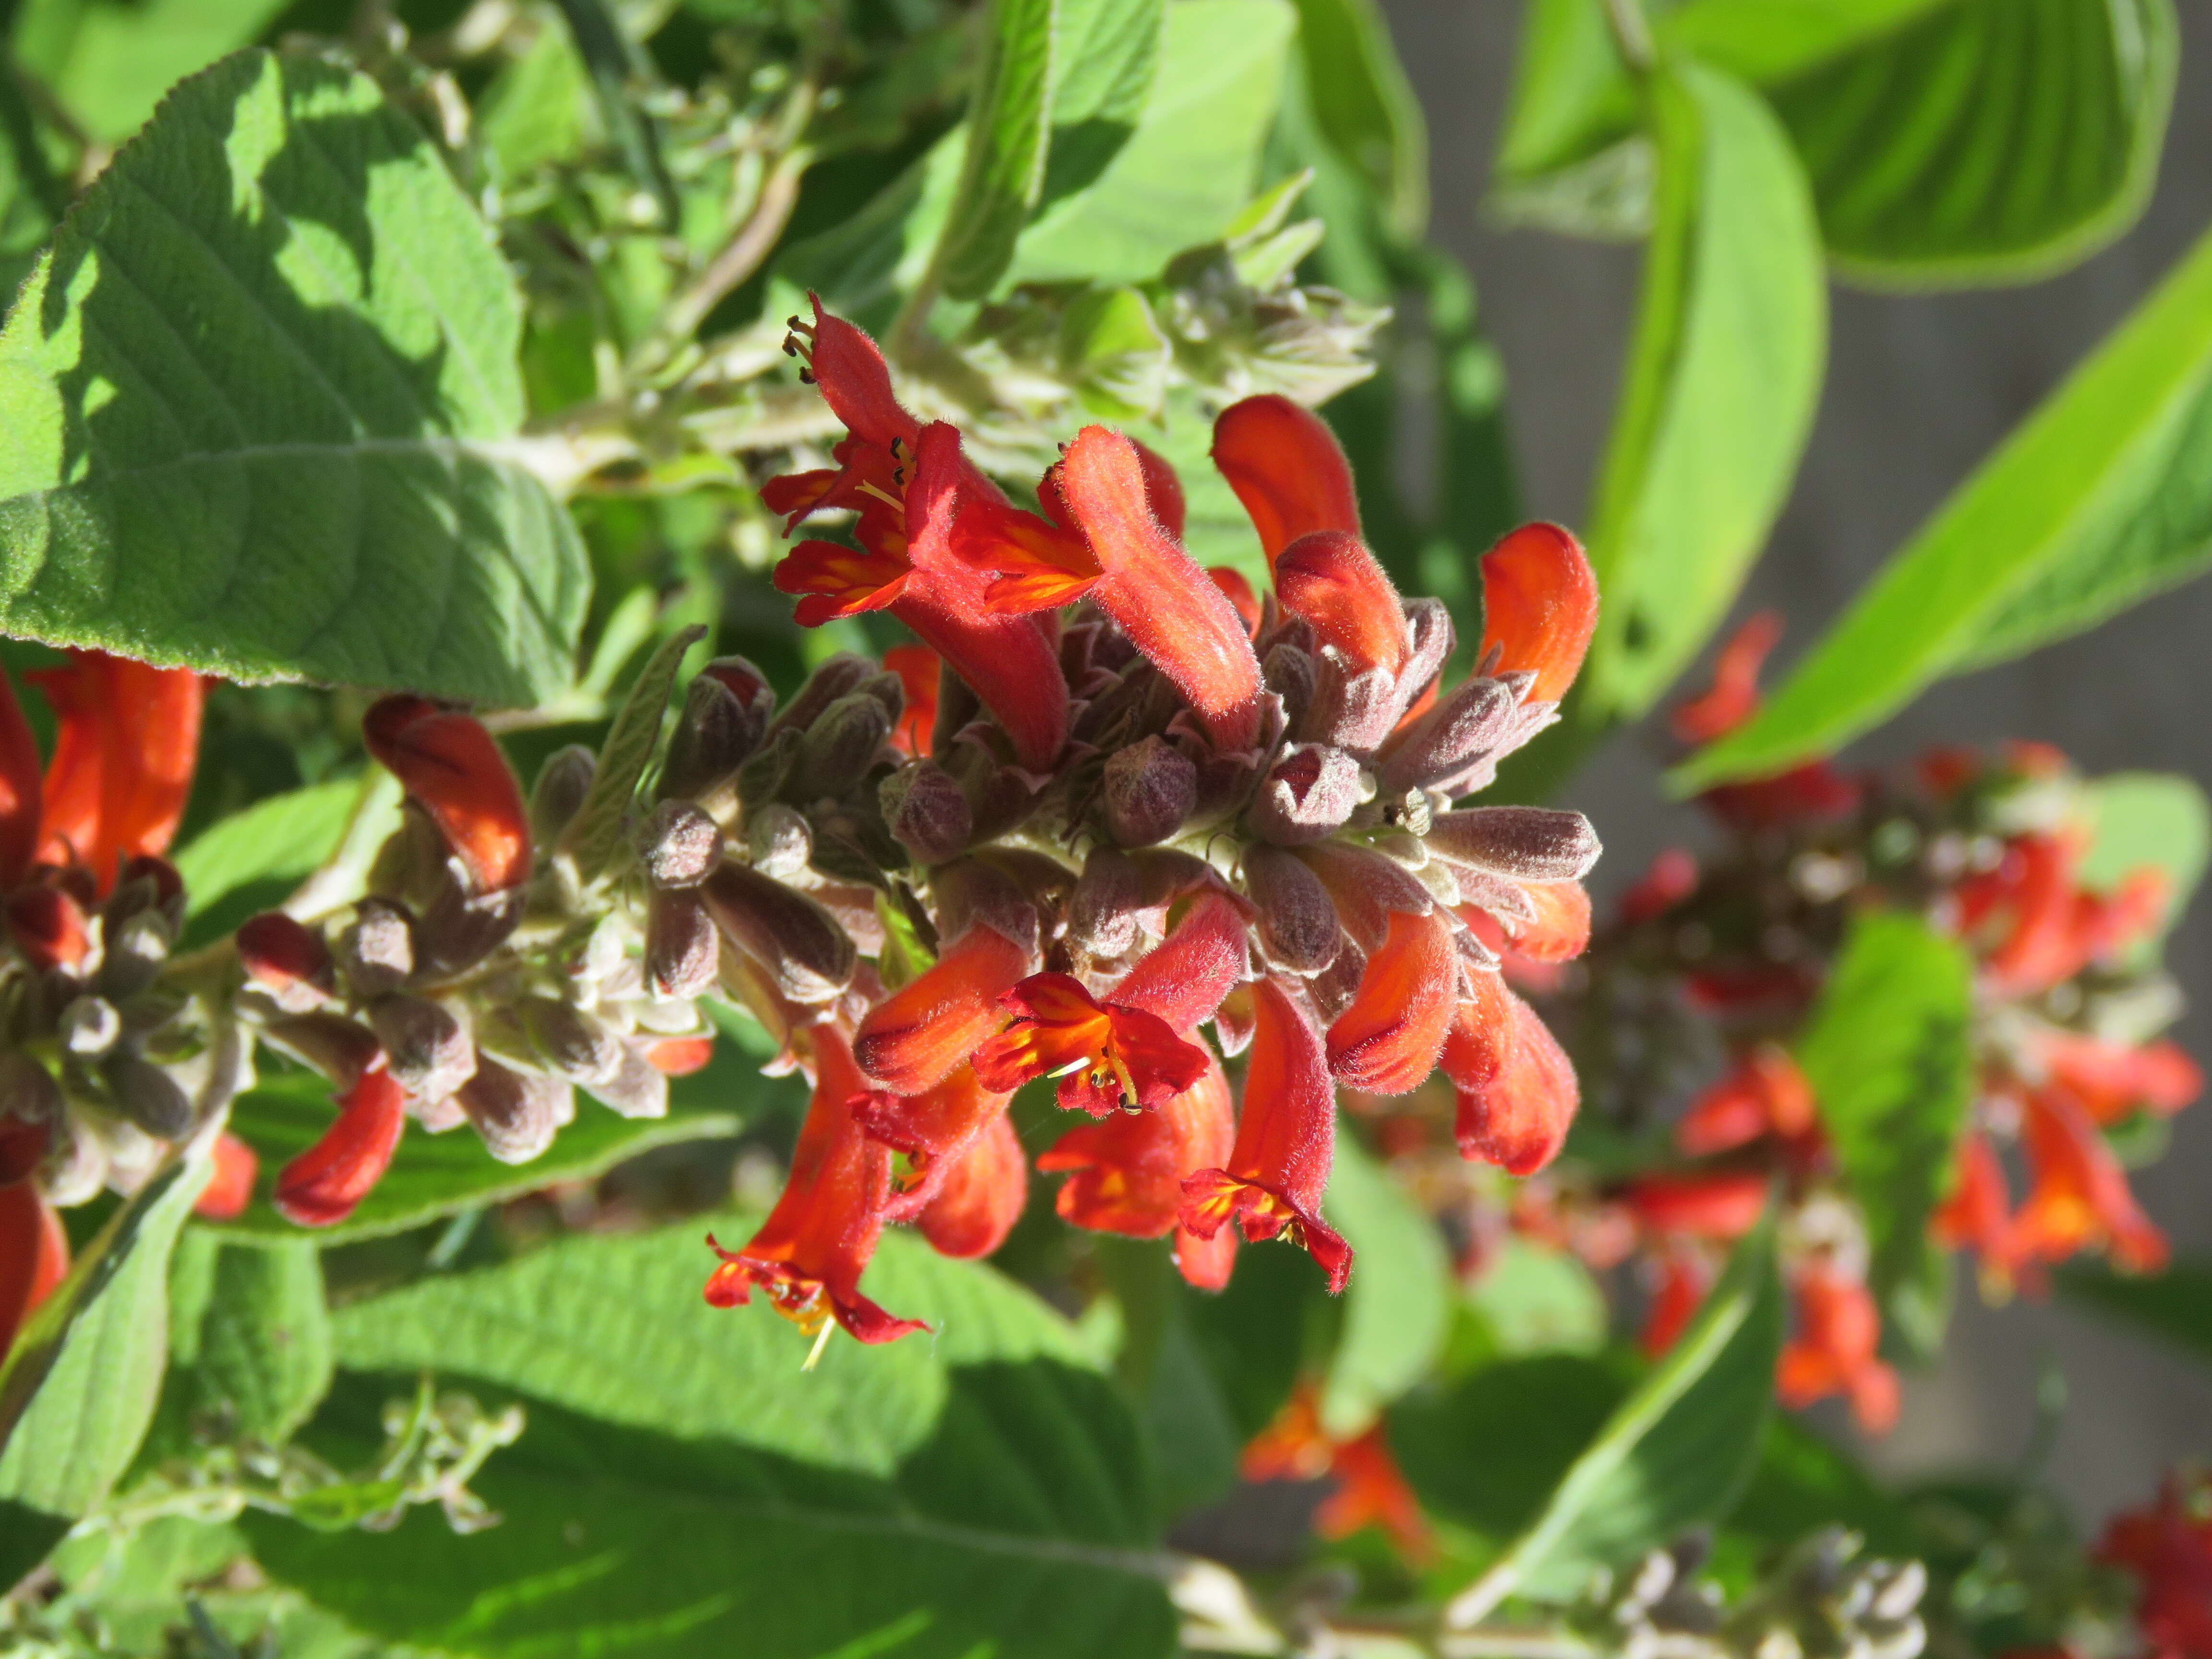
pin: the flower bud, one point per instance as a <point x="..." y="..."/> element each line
<point x="1297" y="923"/>
<point x="809" y="956"/>
<point x="574" y="1044"/>
<point x="635" y="1089"/>
<point x="839" y="676"/>
<point x="1522" y="843"/>
<point x="136" y="947"/>
<point x="558" y="794"/>
<point x="514" y="1113"/>
<point x="1309" y="795"/>
<point x="1149" y="790"/>
<point x="459" y="928"/>
<point x="429" y="1049"/>
<point x="1288" y="672"/>
<point x="717" y="732"/>
<point x="322" y="1186"/>
<point x="681" y="946"/>
<point x="89" y="1026"/>
<point x="1465" y="731"/>
<point x="148" y="883"/>
<point x="376" y="950"/>
<point x="679" y="844"/>
<point x="779" y="840"/>
<point x="340" y="1049"/>
<point x="1101" y="910"/>
<point x="288" y="959"/>
<point x="30" y="1112"/>
<point x="837" y="750"/>
<point x="926" y="811"/>
<point x="148" y="1096"/>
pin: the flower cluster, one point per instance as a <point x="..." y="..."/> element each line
<point x="2166" y="1548"/>
<point x="1146" y="799"/>
<point x="1989" y="850"/>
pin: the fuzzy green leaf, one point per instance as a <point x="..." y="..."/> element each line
<point x="595" y="833"/>
<point x="1009" y="138"/>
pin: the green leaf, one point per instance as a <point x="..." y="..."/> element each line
<point x="252" y="861"/>
<point x="2175" y="1305"/>
<point x="2161" y="819"/>
<point x="81" y="1382"/>
<point x="1364" y="106"/>
<point x="1889" y="1056"/>
<point x="254" y="1350"/>
<point x="596" y="831"/>
<point x="981" y="1491"/>
<point x="1191" y="164"/>
<point x="433" y="1176"/>
<point x="1678" y="1449"/>
<point x="1987" y="141"/>
<point x="260" y="404"/>
<point x="1108" y="53"/>
<point x="108" y="62"/>
<point x="1009" y="137"/>
<point x="2101" y="498"/>
<point x="1723" y="381"/>
<point x="1399" y="1297"/>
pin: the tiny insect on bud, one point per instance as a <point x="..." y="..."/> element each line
<point x="572" y="1043"/>
<point x="516" y="1114"/>
<point x="288" y="959"/>
<point x="1297" y="922"/>
<point x="681" y="945"/>
<point x="679" y="844"/>
<point x="428" y="1048"/>
<point x="840" y="747"/>
<point x="558" y="794"/>
<point x="1101" y="910"/>
<point x="148" y="1096"/>
<point x="1150" y="789"/>
<point x="809" y="958"/>
<point x="376" y="950"/>
<point x="1309" y="795"/>
<point x="1523" y="843"/>
<point x="926" y="811"/>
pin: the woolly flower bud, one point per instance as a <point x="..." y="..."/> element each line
<point x="719" y="730"/>
<point x="679" y="844"/>
<point x="376" y="949"/>
<point x="1297" y="922"/>
<point x="430" y="1050"/>
<point x="839" y="747"/>
<point x="287" y="959"/>
<point x="926" y="811"/>
<point x="1309" y="795"/>
<point x="558" y="794"/>
<point x="808" y="955"/>
<point x="1522" y="843"/>
<point x="681" y="946"/>
<point x="1150" y="789"/>
<point x="516" y="1113"/>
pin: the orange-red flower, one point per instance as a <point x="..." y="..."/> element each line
<point x="980" y="1196"/>
<point x="2114" y="1080"/>
<point x="2078" y="1196"/>
<point x="1733" y="697"/>
<point x="34" y="1255"/>
<point x="933" y="1128"/>
<point x="1764" y="1094"/>
<point x="1538" y="607"/>
<point x="1287" y="468"/>
<point x="127" y="740"/>
<point x="1516" y="1086"/>
<point x="1387" y="1041"/>
<point x="1285" y="1140"/>
<point x="1331" y="580"/>
<point x="230" y="1188"/>
<point x="1683" y="1278"/>
<point x="916" y="666"/>
<point x="914" y="1038"/>
<point x="453" y="767"/>
<point x="1716" y="1204"/>
<point x="1372" y="1490"/>
<point x="1835" y="1350"/>
<point x="809" y="1255"/>
<point x="2168" y="1547"/>
<point x="1109" y="1058"/>
<point x="322" y="1185"/>
<point x="1977" y="1215"/>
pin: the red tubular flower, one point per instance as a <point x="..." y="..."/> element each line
<point x="2041" y="947"/>
<point x="934" y="1128"/>
<point x="1764" y="1094"/>
<point x="1371" y="1489"/>
<point x="1538" y="607"/>
<point x="34" y="1255"/>
<point x="2078" y="1195"/>
<point x="453" y="769"/>
<point x="1733" y="697"/>
<point x="915" y="1037"/>
<point x="1287" y="468"/>
<point x="2168" y="1547"/>
<point x="1386" y="1041"/>
<point x="1286" y="1141"/>
<point x="1561" y="931"/>
<point x="981" y="1196"/>
<point x="1126" y="1172"/>
<point x="1169" y="607"/>
<point x="916" y="666"/>
<point x="832" y="580"/>
<point x="2113" y="1079"/>
<point x="1720" y="1205"/>
<point x="1977" y="1216"/>
<point x="20" y="795"/>
<point x="1185" y="977"/>
<point x="809" y="1255"/>
<point x="1517" y="1088"/>
<point x="1232" y="581"/>
<point x="321" y="1186"/>
<point x="1683" y="1278"/>
<point x="230" y="1189"/>
<point x="1112" y="1057"/>
<point x="1330" y="579"/>
<point x="1672" y="877"/>
<point x="128" y="737"/>
<point x="1835" y="1351"/>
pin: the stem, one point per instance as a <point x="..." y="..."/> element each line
<point x="1632" y="33"/>
<point x="340" y="878"/>
<point x="1480" y="1599"/>
<point x="754" y="238"/>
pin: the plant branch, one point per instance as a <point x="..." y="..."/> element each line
<point x="742" y="255"/>
<point x="615" y="69"/>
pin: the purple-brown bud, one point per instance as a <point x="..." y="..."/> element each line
<point x="339" y="1047"/>
<point x="682" y="949"/>
<point x="515" y="1112"/>
<point x="376" y="950"/>
<point x="838" y="748"/>
<point x="926" y="811"/>
<point x="809" y="957"/>
<point x="725" y="710"/>
<point x="429" y="1049"/>
<point x="288" y="959"/>
<point x="569" y="1041"/>
<point x="679" y="844"/>
<point x="633" y="1089"/>
<point x="1523" y="843"/>
<point x="148" y="1096"/>
<point x="1297" y="923"/>
<point x="1101" y="910"/>
<point x="558" y="794"/>
<point x="1149" y="790"/>
<point x="1309" y="795"/>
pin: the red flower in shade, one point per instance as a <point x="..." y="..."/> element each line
<point x="321" y="1186"/>
<point x="2168" y="1547"/>
<point x="980" y="1196"/>
<point x="1672" y="877"/>
<point x="912" y="487"/>
<point x="1733" y="697"/>
<point x="1835" y="1350"/>
<point x="1538" y="607"/>
<point x="2078" y="1195"/>
<point x="1387" y="1041"/>
<point x="1285" y="1140"/>
<point x="127" y="740"/>
<point x="1516" y="1087"/>
<point x="916" y="666"/>
<point x="34" y="1255"/>
<point x="231" y="1187"/>
<point x="1720" y="1205"/>
<point x="1977" y="1216"/>
<point x="1126" y="1173"/>
<point x="915" y="1037"/>
<point x="1371" y="1489"/>
<point x="453" y="769"/>
<point x="1765" y="1094"/>
<point x="809" y="1255"/>
<point x="1287" y="468"/>
<point x="1813" y="793"/>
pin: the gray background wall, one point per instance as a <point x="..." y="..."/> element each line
<point x="1919" y="389"/>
